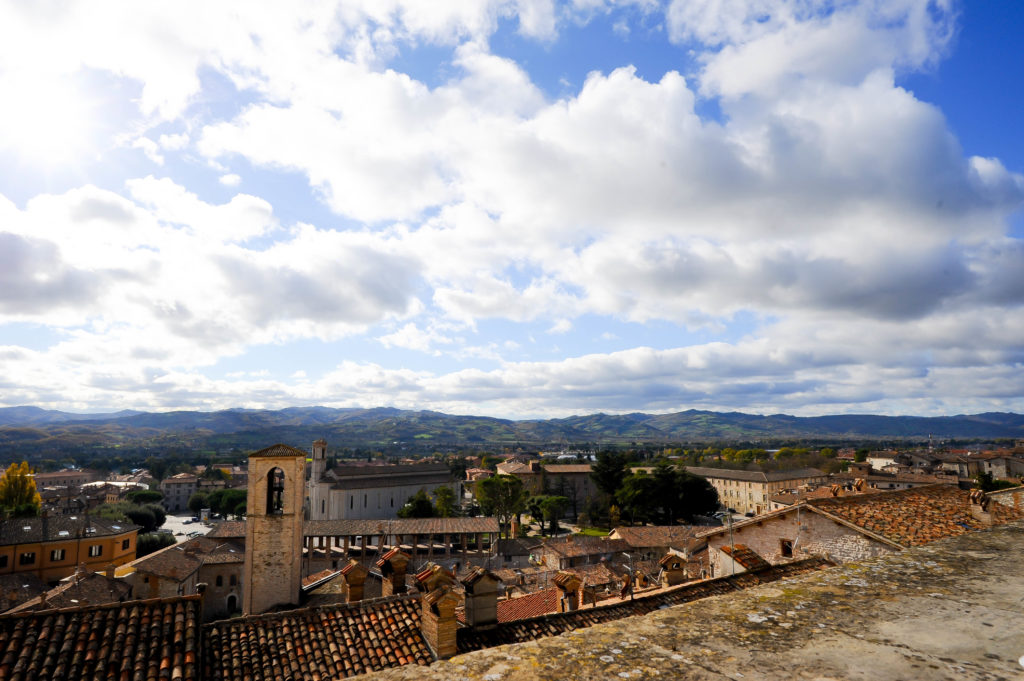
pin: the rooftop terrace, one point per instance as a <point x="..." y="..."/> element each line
<point x="953" y="609"/>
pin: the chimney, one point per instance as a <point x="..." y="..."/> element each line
<point x="392" y="568"/>
<point x="481" y="597"/>
<point x="355" y="577"/>
<point x="432" y="577"/>
<point x="858" y="484"/>
<point x="514" y="528"/>
<point x="674" y="569"/>
<point x="979" y="507"/>
<point x="111" y="569"/>
<point x="569" y="584"/>
<point x="438" y="623"/>
<point x="834" y="490"/>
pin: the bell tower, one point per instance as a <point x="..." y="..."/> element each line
<point x="273" y="528"/>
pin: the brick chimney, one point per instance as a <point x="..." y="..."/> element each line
<point x="437" y="617"/>
<point x="438" y="623"/>
<point x="355" y="577"/>
<point x="392" y="568"/>
<point x="673" y="568"/>
<point x="569" y="584"/>
<point x="980" y="507"/>
<point x="481" y="597"/>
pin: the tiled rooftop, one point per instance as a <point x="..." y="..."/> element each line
<point x="88" y="588"/>
<point x="755" y="476"/>
<point x="578" y="546"/>
<point x="178" y="561"/>
<point x="229" y="529"/>
<point x="745" y="556"/>
<point x="332" y="642"/>
<point x="914" y="516"/>
<point x="657" y="535"/>
<point x="531" y="605"/>
<point x="57" y="528"/>
<point x="279" y="450"/>
<point x="403" y="526"/>
<point x="122" y="641"/>
<point x="520" y="631"/>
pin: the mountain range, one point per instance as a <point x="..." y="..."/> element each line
<point x="250" y="428"/>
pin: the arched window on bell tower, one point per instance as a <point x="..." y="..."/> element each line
<point x="275" y="492"/>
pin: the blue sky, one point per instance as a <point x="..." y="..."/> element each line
<point x="518" y="208"/>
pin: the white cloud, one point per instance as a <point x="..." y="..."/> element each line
<point x="827" y="204"/>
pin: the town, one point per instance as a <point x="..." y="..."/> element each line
<point x="298" y="563"/>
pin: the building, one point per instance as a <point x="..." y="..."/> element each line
<point x="354" y="492"/>
<point x="861" y="526"/>
<point x="68" y="477"/>
<point x="177" y="490"/>
<point x="53" y="548"/>
<point x="179" y="569"/>
<point x="751" y="491"/>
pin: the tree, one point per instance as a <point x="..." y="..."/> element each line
<point x="635" y="496"/>
<point x="608" y="472"/>
<point x="444" y="502"/>
<point x="144" y="496"/>
<point x="552" y="508"/>
<point x="148" y="543"/>
<point x="198" y="501"/>
<point x="861" y="455"/>
<point x="501" y="496"/>
<point x="18" y="490"/>
<point x="418" y="506"/>
<point x="157" y="467"/>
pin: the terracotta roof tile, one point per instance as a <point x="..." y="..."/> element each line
<point x="650" y="536"/>
<point x="745" y="556"/>
<point x="279" y="450"/>
<point x="914" y="516"/>
<point x="133" y="640"/>
<point x="519" y="631"/>
<point x="331" y="642"/>
<point x="531" y="605"/>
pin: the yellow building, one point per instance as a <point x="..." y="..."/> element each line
<point x="751" y="491"/>
<point x="52" y="548"/>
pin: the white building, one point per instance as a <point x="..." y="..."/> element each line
<point x="369" y="492"/>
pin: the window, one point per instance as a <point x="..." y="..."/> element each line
<point x="323" y="506"/>
<point x="95" y="551"/>
<point x="786" y="548"/>
<point x="275" y="492"/>
<point x="126" y="544"/>
<point x="27" y="558"/>
<point x="351" y="502"/>
<point x="3" y="561"/>
<point x="220" y="580"/>
<point x="57" y="555"/>
<point x="364" y="501"/>
<point x="232" y="580"/>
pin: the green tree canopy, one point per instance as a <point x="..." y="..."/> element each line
<point x="608" y="471"/>
<point x="445" y="505"/>
<point x="636" y="496"/>
<point x="198" y="501"/>
<point x="144" y="496"/>
<point x="18" y="490"/>
<point x="418" y="506"/>
<point x="501" y="496"/>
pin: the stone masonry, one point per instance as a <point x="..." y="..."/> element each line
<point x="812" y="535"/>
<point x="951" y="609"/>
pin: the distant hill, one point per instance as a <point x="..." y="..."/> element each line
<point x="252" y="428"/>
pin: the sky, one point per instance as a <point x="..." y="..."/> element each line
<point x="513" y="208"/>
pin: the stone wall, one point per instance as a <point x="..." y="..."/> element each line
<point x="813" y="535"/>
<point x="948" y="610"/>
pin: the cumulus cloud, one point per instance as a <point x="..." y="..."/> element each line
<point x="826" y="204"/>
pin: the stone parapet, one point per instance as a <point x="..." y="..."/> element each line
<point x="946" y="610"/>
